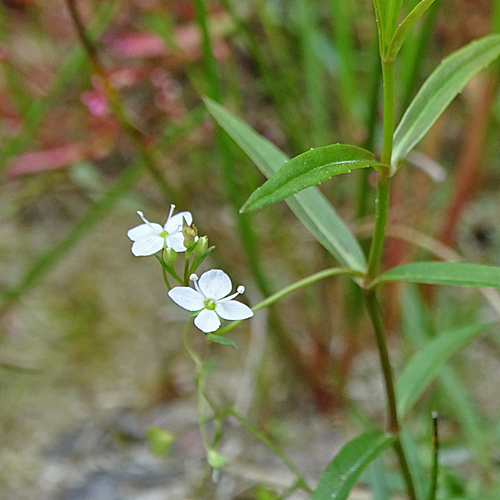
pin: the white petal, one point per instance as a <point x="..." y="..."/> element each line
<point x="215" y="284"/>
<point x="187" y="298"/>
<point x="233" y="310"/>
<point x="175" y="223"/>
<point x="147" y="246"/>
<point x="144" y="230"/>
<point x="176" y="241"/>
<point x="207" y="321"/>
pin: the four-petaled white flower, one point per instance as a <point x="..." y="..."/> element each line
<point x="150" y="237"/>
<point x="209" y="299"/>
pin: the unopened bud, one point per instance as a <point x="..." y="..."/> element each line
<point x="160" y="441"/>
<point x="201" y="246"/>
<point x="169" y="256"/>
<point x="189" y="233"/>
<point x="215" y="460"/>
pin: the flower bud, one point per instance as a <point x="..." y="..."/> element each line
<point x="160" y="441"/>
<point x="169" y="256"/>
<point x="215" y="460"/>
<point x="189" y="233"/>
<point x="201" y="246"/>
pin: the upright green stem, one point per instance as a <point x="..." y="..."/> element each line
<point x="388" y="127"/>
<point x="383" y="181"/>
<point x="377" y="244"/>
<point x="381" y="210"/>
<point x="376" y="317"/>
<point x="393" y="426"/>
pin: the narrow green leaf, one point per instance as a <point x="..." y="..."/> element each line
<point x="219" y="339"/>
<point x="380" y="7"/>
<point x="447" y="80"/>
<point x="405" y="28"/>
<point x="344" y="470"/>
<point x="444" y="273"/>
<point x="393" y="10"/>
<point x="309" y="169"/>
<point x="423" y="367"/>
<point x="310" y="206"/>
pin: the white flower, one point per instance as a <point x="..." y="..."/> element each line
<point x="210" y="301"/>
<point x="150" y="237"/>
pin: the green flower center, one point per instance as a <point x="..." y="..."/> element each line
<point x="163" y="234"/>
<point x="210" y="304"/>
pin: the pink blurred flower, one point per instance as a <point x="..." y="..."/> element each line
<point x="95" y="100"/>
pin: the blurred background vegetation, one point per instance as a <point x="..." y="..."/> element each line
<point x="87" y="331"/>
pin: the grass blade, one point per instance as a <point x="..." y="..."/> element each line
<point x="309" y="206"/>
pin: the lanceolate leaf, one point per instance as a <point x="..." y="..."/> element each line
<point x="380" y="14"/>
<point x="405" y="28"/>
<point x="344" y="470"/>
<point x="309" y="169"/>
<point x="219" y="339"/>
<point x="310" y="206"/>
<point x="444" y="273"/>
<point x="447" y="80"/>
<point x="393" y="10"/>
<point x="424" y="366"/>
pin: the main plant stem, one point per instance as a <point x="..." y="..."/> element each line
<point x="383" y="180"/>
<point x="374" y="258"/>
<point x="393" y="426"/>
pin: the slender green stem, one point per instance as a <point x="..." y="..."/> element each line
<point x="187" y="346"/>
<point x="371" y="121"/>
<point x="381" y="211"/>
<point x="405" y="469"/>
<point x="377" y="244"/>
<point x="393" y="425"/>
<point x="376" y="317"/>
<point x="389" y="106"/>
<point x="186" y="268"/>
<point x="292" y="288"/>
<point x="383" y="181"/>
<point x="165" y="278"/>
<point x="200" y="384"/>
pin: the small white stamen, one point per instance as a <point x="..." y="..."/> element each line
<point x="141" y="215"/>
<point x="171" y="212"/>
<point x="194" y="279"/>
<point x="239" y="290"/>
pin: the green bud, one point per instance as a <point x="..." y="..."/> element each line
<point x="160" y="441"/>
<point x="169" y="256"/>
<point x="215" y="460"/>
<point x="201" y="246"/>
<point x="189" y="233"/>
